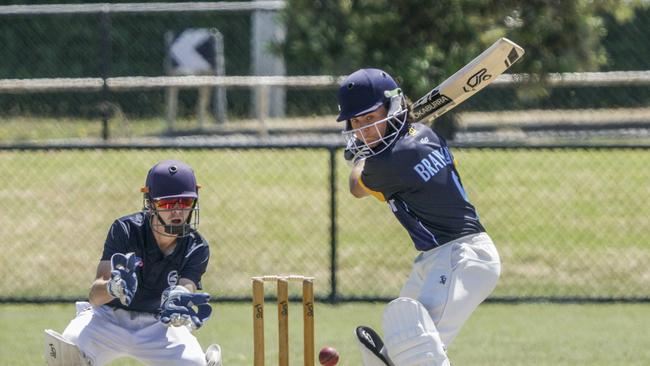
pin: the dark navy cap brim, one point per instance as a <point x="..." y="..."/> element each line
<point x="342" y="117"/>
<point x="182" y="195"/>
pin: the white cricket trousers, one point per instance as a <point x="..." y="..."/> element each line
<point x="104" y="334"/>
<point x="452" y="280"/>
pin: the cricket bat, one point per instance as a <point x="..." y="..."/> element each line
<point x="467" y="81"/>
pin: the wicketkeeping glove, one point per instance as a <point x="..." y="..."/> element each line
<point x="124" y="281"/>
<point x="180" y="307"/>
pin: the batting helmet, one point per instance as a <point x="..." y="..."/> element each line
<point x="362" y="92"/>
<point x="166" y="181"/>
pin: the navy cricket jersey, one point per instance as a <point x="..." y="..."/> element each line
<point x="188" y="260"/>
<point x="418" y="179"/>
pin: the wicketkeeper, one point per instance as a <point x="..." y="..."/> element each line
<point x="143" y="303"/>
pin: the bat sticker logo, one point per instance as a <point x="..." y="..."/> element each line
<point x="429" y="103"/>
<point x="513" y="56"/>
<point x="476" y="79"/>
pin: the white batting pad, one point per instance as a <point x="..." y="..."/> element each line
<point x="411" y="336"/>
<point x="60" y="352"/>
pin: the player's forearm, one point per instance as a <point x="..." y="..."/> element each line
<point x="355" y="176"/>
<point x="187" y="283"/>
<point x="98" y="293"/>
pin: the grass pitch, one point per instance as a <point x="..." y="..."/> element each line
<point x="496" y="334"/>
<point x="567" y="222"/>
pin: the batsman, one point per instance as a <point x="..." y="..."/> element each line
<point x="142" y="303"/>
<point x="409" y="167"/>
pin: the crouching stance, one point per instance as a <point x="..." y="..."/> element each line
<point x="142" y="303"/>
<point x="411" y="168"/>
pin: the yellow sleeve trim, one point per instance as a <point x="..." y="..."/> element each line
<point x="377" y="195"/>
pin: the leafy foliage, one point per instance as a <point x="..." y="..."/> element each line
<point x="420" y="41"/>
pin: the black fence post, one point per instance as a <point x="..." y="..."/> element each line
<point x="333" y="297"/>
<point x="105" y="70"/>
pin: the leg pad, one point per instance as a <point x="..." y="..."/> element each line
<point x="61" y="352"/>
<point x="411" y="336"/>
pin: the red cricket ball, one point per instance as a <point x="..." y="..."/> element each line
<point x="328" y="356"/>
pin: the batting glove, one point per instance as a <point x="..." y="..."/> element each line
<point x="124" y="280"/>
<point x="180" y="307"/>
<point x="350" y="157"/>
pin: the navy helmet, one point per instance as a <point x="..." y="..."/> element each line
<point x="171" y="179"/>
<point x="363" y="92"/>
<point x="171" y="185"/>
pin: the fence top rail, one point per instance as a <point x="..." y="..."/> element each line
<point x="157" y="7"/>
<point x="605" y="78"/>
<point x="316" y="81"/>
<point x="157" y="82"/>
<point x="611" y="78"/>
<point x="50" y="85"/>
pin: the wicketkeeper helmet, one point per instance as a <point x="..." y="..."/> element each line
<point x="171" y="185"/>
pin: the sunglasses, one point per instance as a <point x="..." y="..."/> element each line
<point x="171" y="203"/>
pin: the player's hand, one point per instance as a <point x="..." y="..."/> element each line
<point x="350" y="157"/>
<point x="124" y="280"/>
<point x="180" y="307"/>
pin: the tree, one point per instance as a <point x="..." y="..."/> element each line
<point x="421" y="42"/>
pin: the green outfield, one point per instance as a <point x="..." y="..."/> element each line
<point x="567" y="222"/>
<point x="531" y="334"/>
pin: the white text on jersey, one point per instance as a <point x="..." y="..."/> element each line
<point x="433" y="163"/>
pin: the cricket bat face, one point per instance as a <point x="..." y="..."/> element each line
<point x="467" y="81"/>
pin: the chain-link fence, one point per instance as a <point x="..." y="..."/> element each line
<point x="91" y="45"/>
<point x="569" y="222"/>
